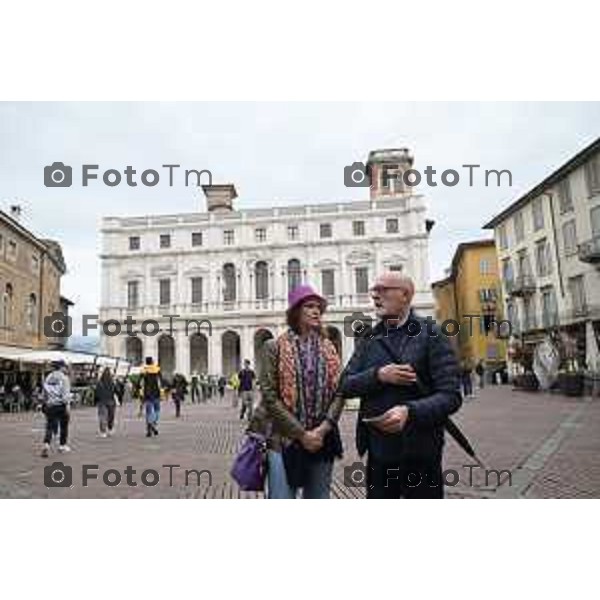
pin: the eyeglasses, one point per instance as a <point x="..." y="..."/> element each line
<point x="381" y="289"/>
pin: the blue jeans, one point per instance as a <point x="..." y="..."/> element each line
<point x="317" y="486"/>
<point x="152" y="410"/>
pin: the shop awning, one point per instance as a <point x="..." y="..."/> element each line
<point x="29" y="355"/>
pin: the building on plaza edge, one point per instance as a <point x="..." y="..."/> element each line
<point x="234" y="268"/>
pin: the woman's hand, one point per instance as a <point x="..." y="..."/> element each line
<point x="312" y="441"/>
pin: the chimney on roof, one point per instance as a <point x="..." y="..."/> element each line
<point x="15" y="211"/>
<point x="219" y="197"/>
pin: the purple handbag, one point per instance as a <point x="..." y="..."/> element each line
<point x="249" y="468"/>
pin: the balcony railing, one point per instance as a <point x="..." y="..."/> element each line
<point x="589" y="251"/>
<point x="549" y="319"/>
<point x="523" y="285"/>
<point x="347" y="302"/>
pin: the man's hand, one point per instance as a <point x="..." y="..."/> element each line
<point x="394" y="420"/>
<point x="397" y="374"/>
<point x="312" y="441"/>
<point x="323" y="429"/>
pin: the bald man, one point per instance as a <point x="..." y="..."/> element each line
<point x="407" y="377"/>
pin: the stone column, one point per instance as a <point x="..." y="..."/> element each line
<point x="150" y="346"/>
<point x="215" y="357"/>
<point x="182" y="351"/>
<point x="247" y="343"/>
<point x="347" y="346"/>
<point x="148" y="281"/>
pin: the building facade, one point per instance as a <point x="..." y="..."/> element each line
<point x="30" y="274"/>
<point x="234" y="268"/>
<point x="549" y="256"/>
<point x="471" y="295"/>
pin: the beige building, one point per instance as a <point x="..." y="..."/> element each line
<point x="30" y="272"/>
<point x="549" y="256"/>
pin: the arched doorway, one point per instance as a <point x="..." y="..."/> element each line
<point x="260" y="337"/>
<point x="133" y="350"/>
<point x="333" y="333"/>
<point x="198" y="353"/>
<point x="230" y="346"/>
<point x="166" y="356"/>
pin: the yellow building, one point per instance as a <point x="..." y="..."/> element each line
<point x="470" y="295"/>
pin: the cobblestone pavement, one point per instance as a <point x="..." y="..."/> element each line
<point x="550" y="445"/>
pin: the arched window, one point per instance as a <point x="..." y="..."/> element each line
<point x="261" y="275"/>
<point x="31" y="312"/>
<point x="229" y="283"/>
<point x="294" y="273"/>
<point x="7" y="303"/>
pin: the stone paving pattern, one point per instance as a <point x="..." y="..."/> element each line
<point x="507" y="428"/>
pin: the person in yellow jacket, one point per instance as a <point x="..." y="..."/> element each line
<point x="152" y="383"/>
<point x="234" y="382"/>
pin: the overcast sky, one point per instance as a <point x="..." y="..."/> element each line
<point x="275" y="154"/>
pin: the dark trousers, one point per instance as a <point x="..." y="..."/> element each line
<point x="177" y="399"/>
<point x="106" y="416"/>
<point x="195" y="394"/>
<point x="467" y="383"/>
<point x="57" y="416"/>
<point x="408" y="479"/>
<point x="247" y="399"/>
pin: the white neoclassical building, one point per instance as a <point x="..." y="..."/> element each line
<point x="233" y="269"/>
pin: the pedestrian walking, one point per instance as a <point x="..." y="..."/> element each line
<point x="300" y="406"/>
<point x="119" y="384"/>
<point x="246" y="378"/>
<point x="178" y="392"/>
<point x="212" y="386"/>
<point x="57" y="399"/>
<point x="195" y="387"/>
<point x="204" y="387"/>
<point x="151" y="381"/>
<point x="480" y="370"/>
<point x="466" y="374"/>
<point x="127" y="391"/>
<point x="409" y="384"/>
<point x="234" y="382"/>
<point x="106" y="400"/>
<point x="222" y="383"/>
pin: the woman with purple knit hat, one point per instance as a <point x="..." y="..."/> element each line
<point x="300" y="407"/>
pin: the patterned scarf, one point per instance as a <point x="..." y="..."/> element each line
<point x="308" y="375"/>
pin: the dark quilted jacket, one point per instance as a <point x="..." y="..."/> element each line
<point x="435" y="396"/>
